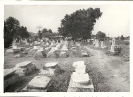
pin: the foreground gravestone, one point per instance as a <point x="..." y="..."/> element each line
<point x="10" y="77"/>
<point x="24" y="68"/>
<point x="80" y="83"/>
<point x="80" y="80"/>
<point x="37" y="84"/>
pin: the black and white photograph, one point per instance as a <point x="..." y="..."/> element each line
<point x="66" y="48"/>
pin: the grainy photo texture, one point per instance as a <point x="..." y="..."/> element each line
<point x="66" y="48"/>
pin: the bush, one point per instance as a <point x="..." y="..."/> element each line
<point x="117" y="50"/>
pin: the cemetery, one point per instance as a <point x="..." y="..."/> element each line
<point x="66" y="66"/>
<point x="66" y="50"/>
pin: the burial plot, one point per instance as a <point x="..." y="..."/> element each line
<point x="84" y="53"/>
<point x="80" y="80"/>
<point x="37" y="84"/>
<point x="10" y="77"/>
<point x="53" y="68"/>
<point x="40" y="54"/>
<point x="25" y="68"/>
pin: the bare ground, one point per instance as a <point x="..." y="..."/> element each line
<point x="114" y="72"/>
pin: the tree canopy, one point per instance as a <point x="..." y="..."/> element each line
<point x="13" y="30"/>
<point x="79" y="24"/>
<point x="100" y="35"/>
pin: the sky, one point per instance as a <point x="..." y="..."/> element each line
<point x="115" y="20"/>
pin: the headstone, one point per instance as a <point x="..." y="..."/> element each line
<point x="80" y="83"/>
<point x="23" y="64"/>
<point x="63" y="54"/>
<point x="96" y="43"/>
<point x="52" y="67"/>
<point x="38" y="83"/>
<point x="25" y="68"/>
<point x="75" y="64"/>
<point x="84" y="54"/>
<point x="113" y="45"/>
<point x="10" y="77"/>
<point x="35" y="47"/>
<point x="80" y="69"/>
<point x="102" y="45"/>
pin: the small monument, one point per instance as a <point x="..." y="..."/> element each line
<point x="102" y="45"/>
<point x="113" y="45"/>
<point x="80" y="80"/>
<point x="97" y="43"/>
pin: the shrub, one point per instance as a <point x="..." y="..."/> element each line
<point x="117" y="50"/>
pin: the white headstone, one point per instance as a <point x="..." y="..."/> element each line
<point x="102" y="46"/>
<point x="80" y="78"/>
<point x="96" y="43"/>
<point x="113" y="45"/>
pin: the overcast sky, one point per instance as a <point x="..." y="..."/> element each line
<point x="115" y="20"/>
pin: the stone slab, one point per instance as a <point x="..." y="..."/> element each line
<point x="80" y="78"/>
<point x="75" y="64"/>
<point x="23" y="64"/>
<point x="51" y="64"/>
<point x="38" y="82"/>
<point x="76" y="87"/>
<point x="33" y="90"/>
<point x="80" y="69"/>
<point x="8" y="72"/>
<point x="84" y="54"/>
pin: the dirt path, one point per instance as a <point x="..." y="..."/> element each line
<point x="114" y="72"/>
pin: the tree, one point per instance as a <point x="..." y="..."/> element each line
<point x="11" y="25"/>
<point x="22" y="32"/>
<point x="79" y="24"/>
<point x="7" y="37"/>
<point x="100" y="35"/>
<point x="122" y="38"/>
<point x="39" y="34"/>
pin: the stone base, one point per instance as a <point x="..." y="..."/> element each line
<point x="79" y="87"/>
<point x="25" y="89"/>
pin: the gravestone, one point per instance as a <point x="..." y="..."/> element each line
<point x="10" y="77"/>
<point x="96" y="43"/>
<point x="102" y="45"/>
<point x="24" y="68"/>
<point x="80" y="80"/>
<point x="75" y="64"/>
<point x="113" y="45"/>
<point x="80" y="83"/>
<point x="53" y="68"/>
<point x="37" y="84"/>
<point x="63" y="54"/>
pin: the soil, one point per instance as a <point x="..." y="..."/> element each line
<point x="114" y="71"/>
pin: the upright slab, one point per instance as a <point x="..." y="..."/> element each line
<point x="75" y="64"/>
